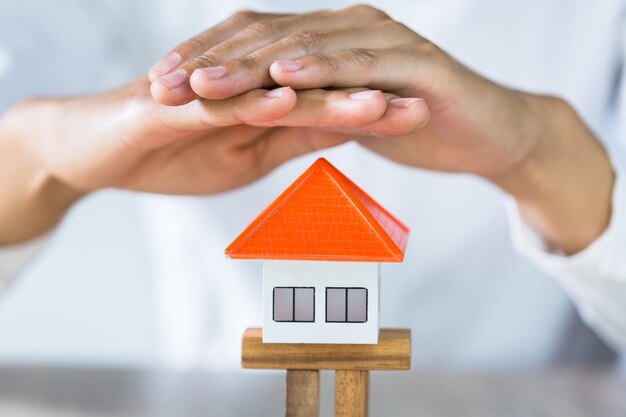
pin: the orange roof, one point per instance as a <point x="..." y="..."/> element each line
<point x="323" y="216"/>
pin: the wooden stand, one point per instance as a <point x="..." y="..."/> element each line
<point x="351" y="364"/>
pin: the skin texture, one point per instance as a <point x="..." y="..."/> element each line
<point x="210" y="129"/>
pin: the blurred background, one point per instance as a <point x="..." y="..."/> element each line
<point x="91" y="297"/>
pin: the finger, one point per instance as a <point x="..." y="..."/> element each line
<point x="252" y="70"/>
<point x="384" y="69"/>
<point x="257" y="106"/>
<point x="403" y="116"/>
<point x="333" y="109"/>
<point x="169" y="78"/>
<point x="399" y="117"/>
<point x="256" y="36"/>
<point x="268" y="31"/>
<point x="199" y="43"/>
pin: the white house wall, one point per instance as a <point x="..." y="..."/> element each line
<point x="320" y="275"/>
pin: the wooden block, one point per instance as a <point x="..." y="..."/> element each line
<point x="392" y="353"/>
<point x="351" y="393"/>
<point x="303" y="396"/>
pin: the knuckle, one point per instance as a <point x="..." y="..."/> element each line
<point x="390" y="25"/>
<point x="248" y="61"/>
<point x="258" y="28"/>
<point x="309" y="41"/>
<point x="220" y="51"/>
<point x="332" y="64"/>
<point x="370" y="11"/>
<point x="243" y="16"/>
<point x="201" y="61"/>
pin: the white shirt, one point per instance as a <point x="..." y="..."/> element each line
<point x="463" y="286"/>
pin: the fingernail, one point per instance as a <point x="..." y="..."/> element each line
<point x="213" y="73"/>
<point x="403" y="102"/>
<point x="276" y="93"/>
<point x="166" y="64"/>
<point x="173" y="79"/>
<point x="363" y="95"/>
<point x="289" y="66"/>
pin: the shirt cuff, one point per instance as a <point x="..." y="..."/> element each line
<point x="14" y="258"/>
<point x="603" y="258"/>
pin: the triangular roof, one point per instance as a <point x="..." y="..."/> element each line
<point x="323" y="216"/>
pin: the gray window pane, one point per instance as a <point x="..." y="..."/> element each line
<point x="283" y="304"/>
<point x="304" y="304"/>
<point x="335" y="304"/>
<point x="357" y="305"/>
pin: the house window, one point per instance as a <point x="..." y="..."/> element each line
<point x="346" y="305"/>
<point x="294" y="304"/>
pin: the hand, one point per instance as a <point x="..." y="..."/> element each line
<point x="475" y="125"/>
<point x="509" y="137"/>
<point x="54" y="151"/>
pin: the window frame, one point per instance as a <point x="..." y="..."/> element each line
<point x="293" y="305"/>
<point x="367" y="300"/>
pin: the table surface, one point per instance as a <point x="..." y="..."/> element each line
<point x="80" y="392"/>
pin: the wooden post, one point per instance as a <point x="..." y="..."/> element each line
<point x="351" y="393"/>
<point x="351" y="364"/>
<point x="303" y="393"/>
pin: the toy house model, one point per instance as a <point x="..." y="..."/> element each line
<point x="321" y="242"/>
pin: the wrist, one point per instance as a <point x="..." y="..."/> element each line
<point x="564" y="185"/>
<point x="38" y="200"/>
<point x="539" y="132"/>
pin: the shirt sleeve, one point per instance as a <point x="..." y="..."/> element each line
<point x="14" y="259"/>
<point x="594" y="278"/>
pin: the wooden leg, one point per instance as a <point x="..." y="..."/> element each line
<point x="351" y="393"/>
<point x="303" y="393"/>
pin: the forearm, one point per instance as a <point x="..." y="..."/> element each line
<point x="563" y="189"/>
<point x="33" y="201"/>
